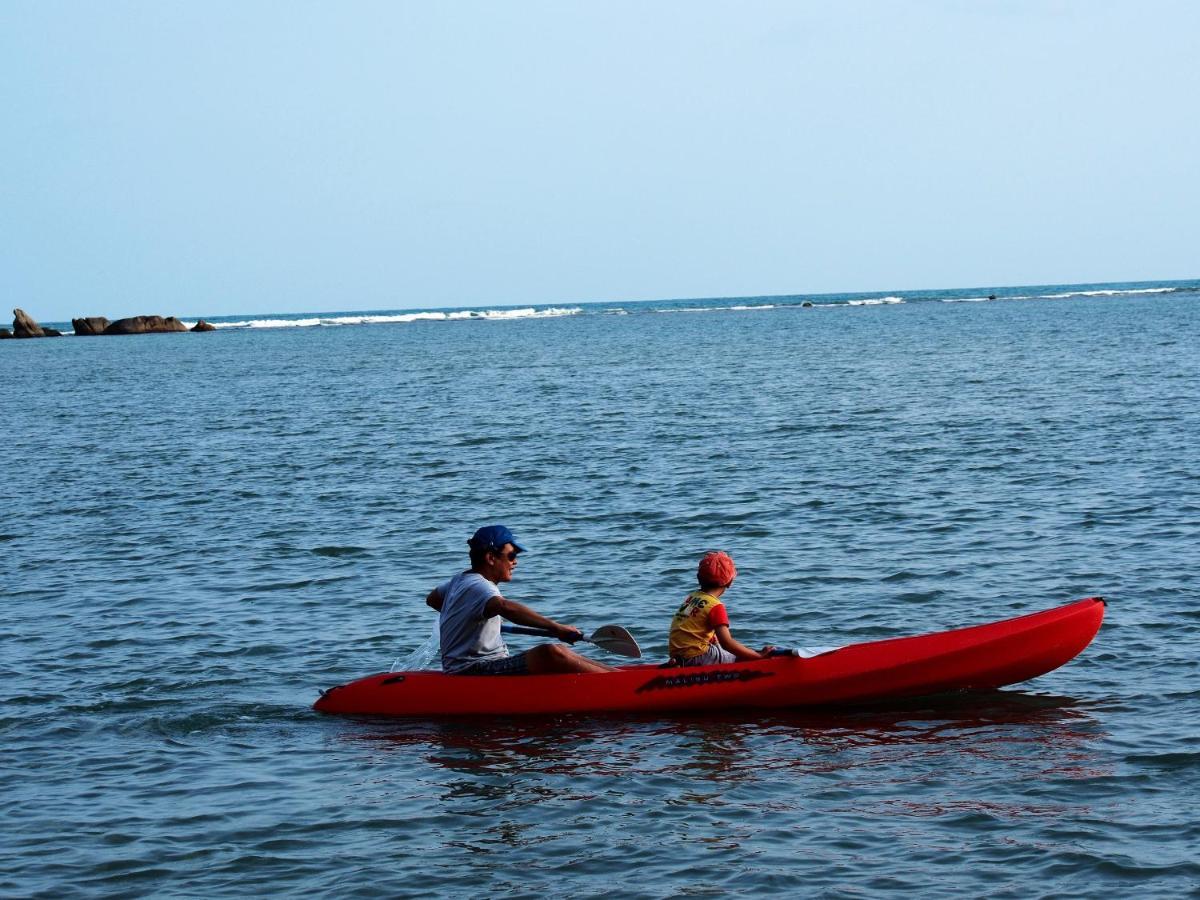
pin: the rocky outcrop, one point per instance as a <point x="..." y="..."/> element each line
<point x="89" y="327"/>
<point x="145" y="325"/>
<point x="25" y="327"/>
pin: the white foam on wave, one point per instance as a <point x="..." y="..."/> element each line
<point x="404" y="318"/>
<point x="270" y="323"/>
<point x="707" y="309"/>
<point x="526" y="313"/>
<point x="530" y="312"/>
<point x="1067" y="295"/>
<point x="874" y="301"/>
<point x="1107" y="293"/>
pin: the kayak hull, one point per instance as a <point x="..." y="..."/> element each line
<point x="979" y="657"/>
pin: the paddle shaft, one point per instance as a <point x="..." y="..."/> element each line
<point x="612" y="638"/>
<point x="525" y="629"/>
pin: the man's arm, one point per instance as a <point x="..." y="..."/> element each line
<point x="520" y="614"/>
<point x="434" y="600"/>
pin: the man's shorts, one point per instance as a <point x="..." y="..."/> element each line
<point x="505" y="665"/>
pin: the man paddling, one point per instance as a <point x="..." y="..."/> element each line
<point x="470" y="607"/>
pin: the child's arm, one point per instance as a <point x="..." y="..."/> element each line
<point x="741" y="651"/>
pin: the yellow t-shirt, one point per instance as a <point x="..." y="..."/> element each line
<point x="694" y="627"/>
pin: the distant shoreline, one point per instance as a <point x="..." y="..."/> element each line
<point x="509" y="312"/>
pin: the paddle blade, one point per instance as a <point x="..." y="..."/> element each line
<point x="616" y="639"/>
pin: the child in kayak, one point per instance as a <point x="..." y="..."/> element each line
<point x="700" y="630"/>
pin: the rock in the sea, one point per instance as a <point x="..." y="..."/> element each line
<point x="145" y="325"/>
<point x="203" y="326"/>
<point x="51" y="332"/>
<point x="24" y="326"/>
<point x="92" y="325"/>
<point x="5" y="333"/>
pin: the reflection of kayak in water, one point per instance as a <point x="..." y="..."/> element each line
<point x="984" y="656"/>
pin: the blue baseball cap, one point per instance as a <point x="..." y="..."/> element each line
<point x="494" y="537"/>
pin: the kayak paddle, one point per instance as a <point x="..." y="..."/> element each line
<point x="612" y="638"/>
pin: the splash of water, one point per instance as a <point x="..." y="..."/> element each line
<point x="422" y="657"/>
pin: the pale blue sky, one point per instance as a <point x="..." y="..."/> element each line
<point x="249" y="157"/>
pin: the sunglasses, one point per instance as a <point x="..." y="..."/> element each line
<point x="511" y="555"/>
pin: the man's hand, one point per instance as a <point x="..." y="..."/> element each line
<point x="766" y="651"/>
<point x="569" y="633"/>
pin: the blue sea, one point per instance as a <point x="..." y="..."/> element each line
<point x="199" y="531"/>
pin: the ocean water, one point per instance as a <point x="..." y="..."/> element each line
<point x="199" y="531"/>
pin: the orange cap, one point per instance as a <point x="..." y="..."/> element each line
<point x="716" y="570"/>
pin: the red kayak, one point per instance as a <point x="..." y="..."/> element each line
<point x="984" y="656"/>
